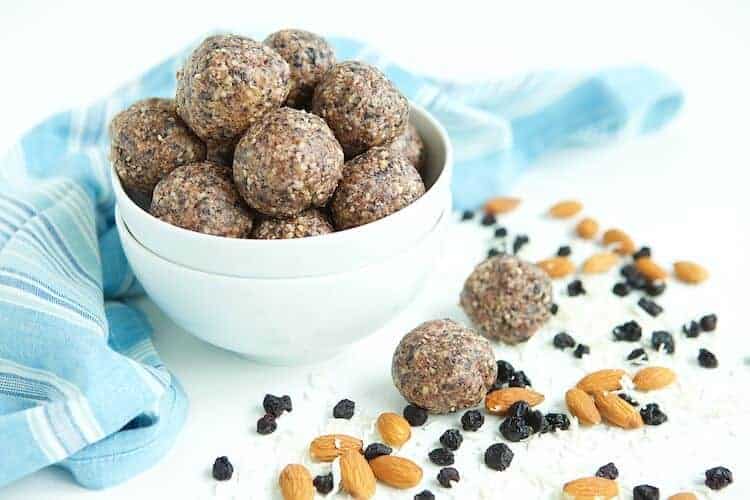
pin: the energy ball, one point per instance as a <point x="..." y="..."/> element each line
<point x="229" y="83"/>
<point x="202" y="197"/>
<point x="288" y="163"/>
<point x="443" y="366"/>
<point x="375" y="184"/>
<point x="312" y="222"/>
<point x="507" y="298"/>
<point x="309" y="56"/>
<point x="149" y="140"/>
<point x="362" y="107"/>
<point x="410" y="145"/>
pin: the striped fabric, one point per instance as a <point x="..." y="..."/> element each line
<point x="81" y="385"/>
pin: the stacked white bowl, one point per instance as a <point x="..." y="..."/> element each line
<point x="296" y="300"/>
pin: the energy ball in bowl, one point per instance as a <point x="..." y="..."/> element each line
<point x="229" y="83"/>
<point x="309" y="56"/>
<point x="362" y="107"/>
<point x="201" y="197"/>
<point x="443" y="366"/>
<point x="507" y="298"/>
<point x="410" y="145"/>
<point x="375" y="184"/>
<point x="288" y="163"/>
<point x="312" y="222"/>
<point x="149" y="140"/>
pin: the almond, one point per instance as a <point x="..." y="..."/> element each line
<point x="501" y="205"/>
<point x="296" y="483"/>
<point x="601" y="380"/>
<point x="395" y="471"/>
<point x="690" y="272"/>
<point x="685" y="495"/>
<point x="617" y="411"/>
<point x="650" y="269"/>
<point x="653" y="377"/>
<point x="591" y="488"/>
<point x="582" y="405"/>
<point x="557" y="267"/>
<point x="357" y="477"/>
<point x="622" y="243"/>
<point x="600" y="263"/>
<point x="565" y="209"/>
<point x="327" y="448"/>
<point x="394" y="429"/>
<point x="587" y="228"/>
<point x="500" y="400"/>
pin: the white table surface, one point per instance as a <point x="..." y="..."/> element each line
<point x="685" y="189"/>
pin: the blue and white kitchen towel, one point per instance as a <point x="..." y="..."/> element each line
<point x="80" y="383"/>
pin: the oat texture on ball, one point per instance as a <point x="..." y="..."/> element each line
<point x="309" y="56"/>
<point x="507" y="298"/>
<point x="443" y="366"/>
<point x="149" y="140"/>
<point x="288" y="163"/>
<point x="312" y="222"/>
<point x="363" y="108"/>
<point x="202" y="197"/>
<point x="229" y="83"/>
<point x="410" y="145"/>
<point x="375" y="184"/>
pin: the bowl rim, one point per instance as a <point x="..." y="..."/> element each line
<point x="330" y="238"/>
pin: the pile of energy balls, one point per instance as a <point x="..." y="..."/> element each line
<point x="271" y="140"/>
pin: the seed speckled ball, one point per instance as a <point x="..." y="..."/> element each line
<point x="410" y="145"/>
<point x="312" y="222"/>
<point x="201" y="197"/>
<point x="149" y="140"/>
<point x="288" y="163"/>
<point x="507" y="298"/>
<point x="229" y="83"/>
<point x="375" y="184"/>
<point x="362" y="107"/>
<point x="443" y="366"/>
<point x="309" y="56"/>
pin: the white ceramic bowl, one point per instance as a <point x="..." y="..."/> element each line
<point x="285" y="320"/>
<point x="315" y="256"/>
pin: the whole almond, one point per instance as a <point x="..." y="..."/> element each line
<point x="501" y="205"/>
<point x="357" y="477"/>
<point x="653" y="377"/>
<point x="685" y="495"/>
<point x="326" y="448"/>
<point x="601" y="380"/>
<point x="690" y="272"/>
<point x="582" y="405"/>
<point x="557" y="267"/>
<point x="600" y="263"/>
<point x="617" y="411"/>
<point x="296" y="483"/>
<point x="500" y="400"/>
<point x="395" y="471"/>
<point x="394" y="429"/>
<point x="587" y="228"/>
<point x="621" y="242"/>
<point x="591" y="488"/>
<point x="565" y="209"/>
<point x="650" y="269"/>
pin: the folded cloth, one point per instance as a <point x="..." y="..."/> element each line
<point x="80" y="383"/>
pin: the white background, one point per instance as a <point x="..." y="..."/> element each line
<point x="685" y="187"/>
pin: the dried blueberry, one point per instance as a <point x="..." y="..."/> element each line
<point x="519" y="379"/>
<point x="608" y="471"/>
<point x="222" y="469"/>
<point x="467" y="215"/>
<point x="643" y="252"/>
<point x="504" y="371"/>
<point x="691" y="329"/>
<point x="645" y="492"/>
<point x="274" y="405"/>
<point x="472" y="420"/>
<point x="718" y="478"/>
<point x="501" y="232"/>
<point x="638" y="355"/>
<point x="563" y="251"/>
<point x="498" y="456"/>
<point x="266" y="424"/>
<point x="652" y="415"/>
<point x="563" y="341"/>
<point x="515" y="429"/>
<point x="535" y="419"/>
<point x="629" y="400"/>
<point x="629" y="331"/>
<point x="344" y="409"/>
<point x="553" y="308"/>
<point x="375" y="450"/>
<point x="441" y="456"/>
<point x="518" y="409"/>
<point x="655" y="288"/>
<point x="452" y="439"/>
<point x="621" y="289"/>
<point x="707" y="359"/>
<point x="493" y="252"/>
<point x="323" y="483"/>
<point x="708" y="322"/>
<point x="519" y="242"/>
<point x="488" y="220"/>
<point x="650" y="306"/>
<point x="575" y="288"/>
<point x="662" y="341"/>
<point x="557" y="421"/>
<point x="415" y="415"/>
<point x="424" y="495"/>
<point x="447" y="476"/>
<point x="581" y="350"/>
<point x="628" y="271"/>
